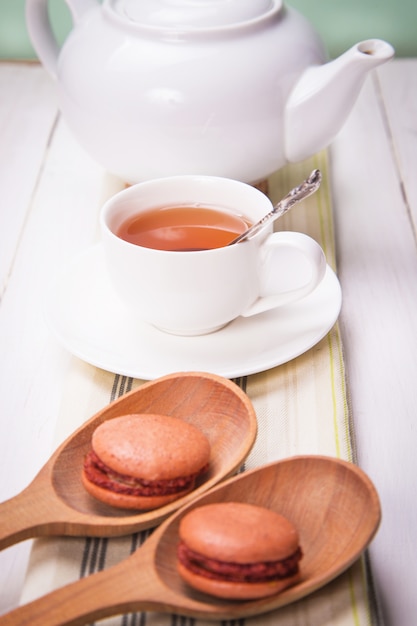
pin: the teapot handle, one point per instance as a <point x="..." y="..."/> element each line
<point x="40" y="31"/>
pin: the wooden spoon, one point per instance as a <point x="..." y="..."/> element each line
<point x="56" y="503"/>
<point x="333" y="504"/>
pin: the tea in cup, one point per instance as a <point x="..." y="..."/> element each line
<point x="183" y="228"/>
<point x="167" y="254"/>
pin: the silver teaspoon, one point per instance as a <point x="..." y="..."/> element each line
<point x="305" y="189"/>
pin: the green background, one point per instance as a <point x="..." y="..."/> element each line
<point x="341" y="23"/>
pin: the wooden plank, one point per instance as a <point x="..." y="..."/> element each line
<point x="377" y="261"/>
<point x="398" y="87"/>
<point x="52" y="215"/>
<point x="28" y="113"/>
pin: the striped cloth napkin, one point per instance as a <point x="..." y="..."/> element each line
<point x="301" y="408"/>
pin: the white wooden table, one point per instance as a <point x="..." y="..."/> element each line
<point x="373" y="164"/>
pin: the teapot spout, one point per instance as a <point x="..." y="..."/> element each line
<point x="322" y="99"/>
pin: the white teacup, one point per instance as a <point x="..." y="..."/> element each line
<point x="199" y="291"/>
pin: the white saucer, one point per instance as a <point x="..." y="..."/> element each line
<point x="93" y="324"/>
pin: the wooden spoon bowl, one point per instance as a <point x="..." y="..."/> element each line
<point x="333" y="504"/>
<point x="56" y="503"/>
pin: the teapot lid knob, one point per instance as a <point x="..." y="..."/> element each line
<point x="193" y="14"/>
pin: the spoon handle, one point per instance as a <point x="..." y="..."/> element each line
<point x="37" y="512"/>
<point x="129" y="586"/>
<point x="22" y="517"/>
<point x="82" y="602"/>
<point x="305" y="189"/>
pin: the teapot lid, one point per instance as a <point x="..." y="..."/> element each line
<point x="194" y="14"/>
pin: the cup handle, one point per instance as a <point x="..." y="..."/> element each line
<point x="292" y="265"/>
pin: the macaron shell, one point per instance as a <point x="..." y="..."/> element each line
<point x="235" y="590"/>
<point x="238" y="532"/>
<point x="124" y="501"/>
<point x="151" y="447"/>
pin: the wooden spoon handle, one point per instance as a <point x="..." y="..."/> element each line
<point x="121" y="589"/>
<point x="22" y="517"/>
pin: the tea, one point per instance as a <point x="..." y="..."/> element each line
<point x="183" y="228"/>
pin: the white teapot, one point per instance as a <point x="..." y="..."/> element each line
<point x="232" y="88"/>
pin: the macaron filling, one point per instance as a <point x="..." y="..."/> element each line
<point x="105" y="477"/>
<point x="215" y="569"/>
